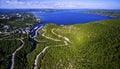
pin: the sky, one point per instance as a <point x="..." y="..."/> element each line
<point x="61" y="4"/>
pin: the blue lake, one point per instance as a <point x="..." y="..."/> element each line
<point x="68" y="18"/>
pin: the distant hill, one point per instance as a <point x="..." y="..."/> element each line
<point x="111" y="13"/>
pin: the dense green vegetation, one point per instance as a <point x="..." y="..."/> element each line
<point x="94" y="46"/>
<point x="21" y="56"/>
<point x="7" y="47"/>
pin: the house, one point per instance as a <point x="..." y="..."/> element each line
<point x="5" y="27"/>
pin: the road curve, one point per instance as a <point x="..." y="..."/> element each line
<point x="13" y="54"/>
<point x="36" y="59"/>
<point x="49" y="37"/>
<point x="60" y="36"/>
<point x="66" y="40"/>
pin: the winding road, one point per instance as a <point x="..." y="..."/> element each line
<point x="60" y="36"/>
<point x="66" y="40"/>
<point x="13" y="54"/>
<point x="49" y="37"/>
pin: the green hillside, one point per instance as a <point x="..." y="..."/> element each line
<point x="7" y="47"/>
<point x="94" y="45"/>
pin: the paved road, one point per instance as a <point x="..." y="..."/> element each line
<point x="66" y="40"/>
<point x="49" y="37"/>
<point x="36" y="59"/>
<point x="13" y="54"/>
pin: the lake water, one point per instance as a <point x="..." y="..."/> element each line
<point x="68" y="18"/>
<point x="35" y="28"/>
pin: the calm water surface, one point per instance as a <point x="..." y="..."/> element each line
<point x="68" y="18"/>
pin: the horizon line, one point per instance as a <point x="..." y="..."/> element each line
<point x="64" y="8"/>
